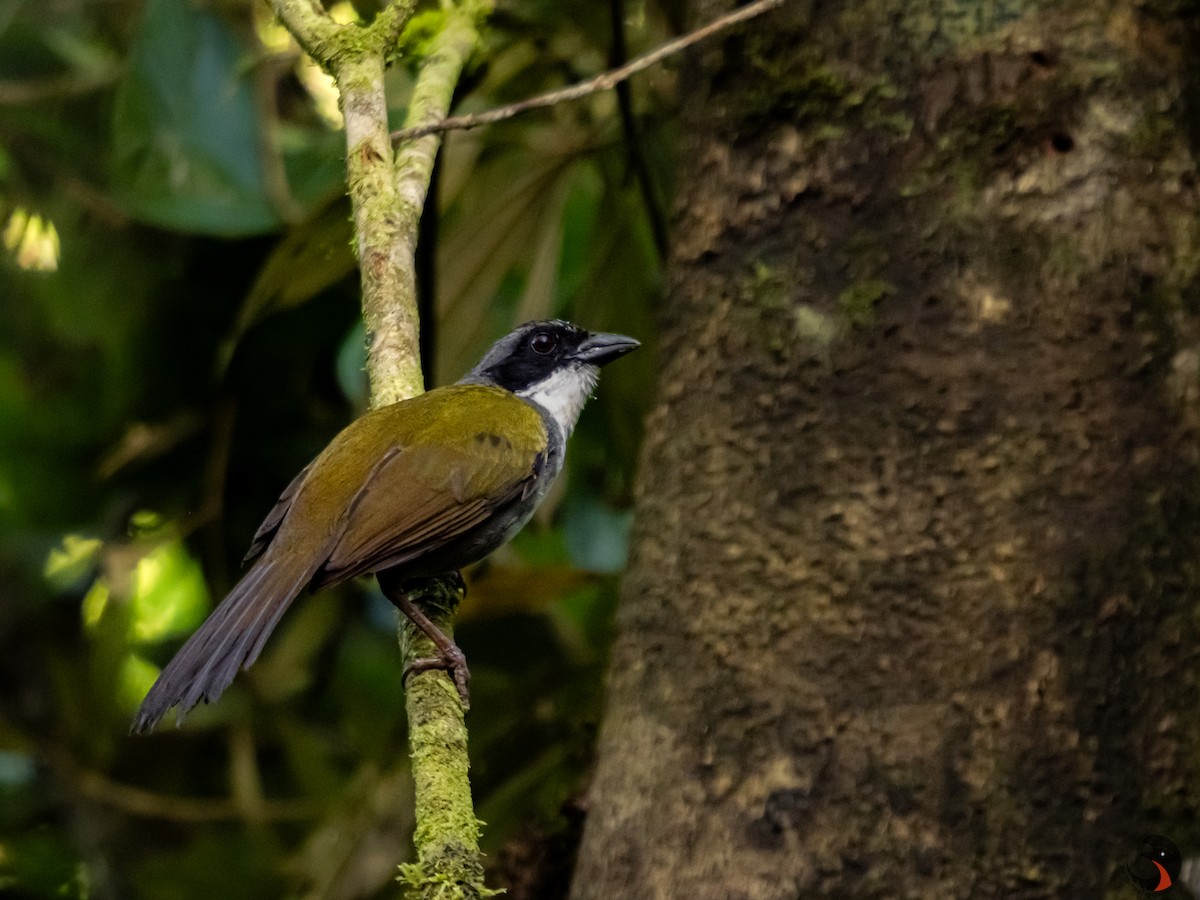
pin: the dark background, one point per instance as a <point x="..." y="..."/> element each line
<point x="179" y="334"/>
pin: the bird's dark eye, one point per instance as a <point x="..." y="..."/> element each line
<point x="544" y="343"/>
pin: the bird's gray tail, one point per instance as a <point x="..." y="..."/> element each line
<point x="230" y="638"/>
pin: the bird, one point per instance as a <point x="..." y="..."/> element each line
<point x="410" y="491"/>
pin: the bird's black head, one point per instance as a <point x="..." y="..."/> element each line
<point x="536" y="351"/>
<point x="552" y="365"/>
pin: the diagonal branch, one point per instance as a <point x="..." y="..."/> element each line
<point x="311" y="25"/>
<point x="602" y="82"/>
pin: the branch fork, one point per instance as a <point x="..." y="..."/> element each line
<point x="387" y="193"/>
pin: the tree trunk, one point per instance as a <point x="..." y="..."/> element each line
<point x="911" y="610"/>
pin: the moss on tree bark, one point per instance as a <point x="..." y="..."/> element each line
<point x="911" y="606"/>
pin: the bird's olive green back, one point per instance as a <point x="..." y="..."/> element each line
<point x="407" y="478"/>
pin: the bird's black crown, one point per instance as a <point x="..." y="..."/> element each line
<point x="530" y="354"/>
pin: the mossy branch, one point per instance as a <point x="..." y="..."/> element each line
<point x="449" y="865"/>
<point x="387" y="194"/>
<point x="448" y="53"/>
<point x="355" y="56"/>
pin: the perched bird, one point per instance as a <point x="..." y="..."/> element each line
<point x="410" y="491"/>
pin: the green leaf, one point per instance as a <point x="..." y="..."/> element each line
<point x="71" y="560"/>
<point x="596" y="535"/>
<point x="313" y="256"/>
<point x="16" y="769"/>
<point x="135" y="677"/>
<point x="95" y="602"/>
<point x="512" y="204"/>
<point x="186" y="130"/>
<point x="580" y="218"/>
<point x="352" y="367"/>
<point x="170" y="596"/>
<point x="41" y="863"/>
<point x="22" y="795"/>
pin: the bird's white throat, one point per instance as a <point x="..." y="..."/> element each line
<point x="563" y="394"/>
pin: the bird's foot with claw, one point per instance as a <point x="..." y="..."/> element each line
<point x="453" y="662"/>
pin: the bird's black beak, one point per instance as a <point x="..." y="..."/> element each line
<point x="601" y="348"/>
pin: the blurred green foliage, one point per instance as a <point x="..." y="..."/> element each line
<point x="179" y="334"/>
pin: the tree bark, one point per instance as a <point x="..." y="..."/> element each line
<point x="910" y="611"/>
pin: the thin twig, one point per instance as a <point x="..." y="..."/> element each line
<point x="602" y="82"/>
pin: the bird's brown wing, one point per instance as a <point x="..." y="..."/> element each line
<point x="426" y="497"/>
<point x="396" y="483"/>
<point x="405" y="479"/>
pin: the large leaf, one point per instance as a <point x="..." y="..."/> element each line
<point x="187" y="131"/>
<point x="512" y="205"/>
<point x="312" y="256"/>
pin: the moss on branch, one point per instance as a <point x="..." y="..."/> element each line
<point x="448" y="865"/>
<point x="387" y="193"/>
<point x="448" y="53"/>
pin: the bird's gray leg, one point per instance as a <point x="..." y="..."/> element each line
<point x="451" y="659"/>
